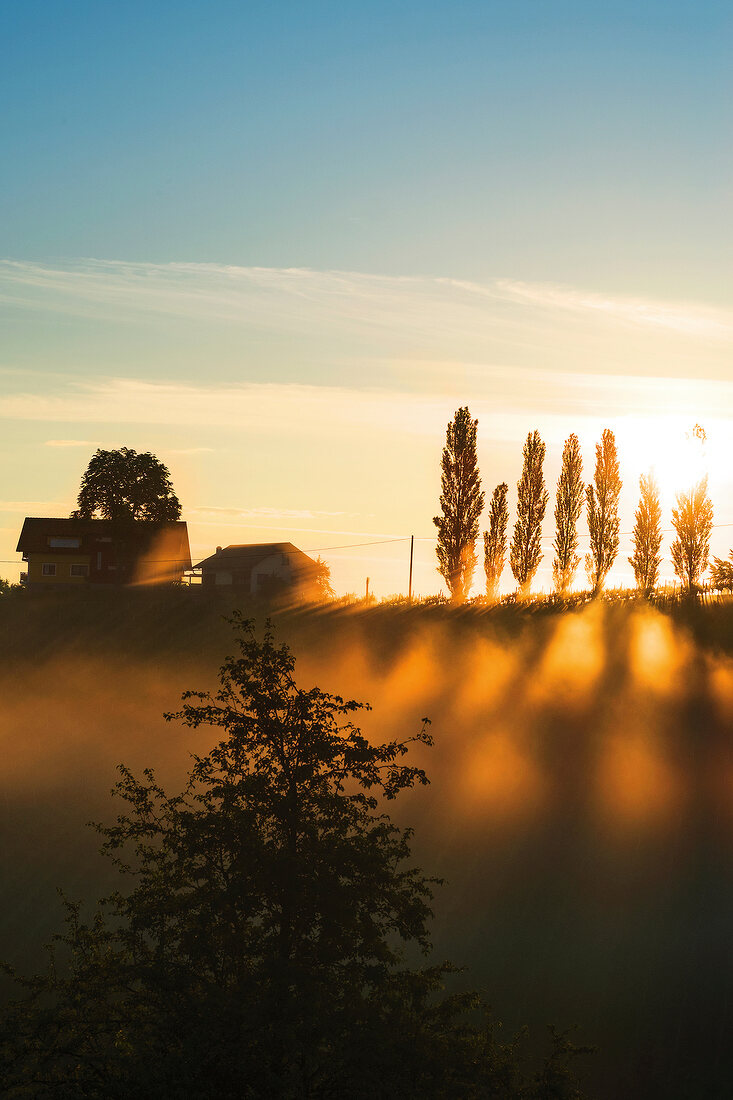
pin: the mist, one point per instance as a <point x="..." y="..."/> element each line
<point x="580" y="805"/>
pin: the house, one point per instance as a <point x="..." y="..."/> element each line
<point x="75" y="552"/>
<point x="264" y="569"/>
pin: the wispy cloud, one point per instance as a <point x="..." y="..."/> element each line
<point x="236" y="293"/>
<point x="261" y="513"/>
<point x="687" y="319"/>
<point x="333" y="535"/>
<point x="37" y="507"/>
<point x="518" y="400"/>
<point x="69" y="443"/>
<point x="452" y="316"/>
<point x="190" y="450"/>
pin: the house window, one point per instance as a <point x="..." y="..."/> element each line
<point x="79" y="569"/>
<point x="48" y="569"/>
<point x="63" y="543"/>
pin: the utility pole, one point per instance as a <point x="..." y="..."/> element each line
<point x="412" y="545"/>
<point x="367" y="589"/>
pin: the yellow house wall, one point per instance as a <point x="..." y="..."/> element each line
<point x="63" y="568"/>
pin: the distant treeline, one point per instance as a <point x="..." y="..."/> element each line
<point x="462" y="503"/>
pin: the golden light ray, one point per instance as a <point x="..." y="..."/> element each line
<point x="499" y="779"/>
<point x="657" y="654"/>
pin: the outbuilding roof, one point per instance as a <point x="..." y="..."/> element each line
<point x="245" y="556"/>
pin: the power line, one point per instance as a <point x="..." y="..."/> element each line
<point x="583" y="534"/>
<point x="313" y="550"/>
<point x="360" y="545"/>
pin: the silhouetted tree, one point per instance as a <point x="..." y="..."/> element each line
<point x="322" y="577"/>
<point x="257" y="952"/>
<point x="461" y="503"/>
<point x="123" y="485"/>
<point x="495" y="540"/>
<point x="692" y="520"/>
<point x="568" y="506"/>
<point x="525" y="553"/>
<point x="647" y="535"/>
<point x="603" y="522"/>
<point x="721" y="574"/>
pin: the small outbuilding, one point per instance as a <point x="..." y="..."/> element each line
<point x="262" y="569"/>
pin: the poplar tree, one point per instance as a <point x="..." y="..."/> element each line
<point x="647" y="535"/>
<point x="461" y="503"/>
<point x="603" y="522"/>
<point x="568" y="506"/>
<point x="495" y="540"/>
<point x="525" y="553"/>
<point x="692" y="519"/>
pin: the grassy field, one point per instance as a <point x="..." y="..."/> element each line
<point x="580" y="806"/>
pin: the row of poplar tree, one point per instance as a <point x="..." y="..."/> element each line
<point x="462" y="503"/>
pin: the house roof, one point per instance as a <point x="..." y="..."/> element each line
<point x="138" y="534"/>
<point x="245" y="556"/>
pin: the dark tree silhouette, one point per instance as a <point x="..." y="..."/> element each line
<point x="322" y="580"/>
<point x="603" y="522"/>
<point x="258" y="951"/>
<point x="124" y="485"/>
<point x="568" y="506"/>
<point x="461" y="503"/>
<point x="721" y="574"/>
<point x="495" y="540"/>
<point x="647" y="535"/>
<point x="525" y="553"/>
<point x="692" y="520"/>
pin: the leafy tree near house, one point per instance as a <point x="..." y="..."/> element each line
<point x="525" y="552"/>
<point x="568" y="506"/>
<point x="692" y="520"/>
<point x="647" y="535"/>
<point x="257" y="951"/>
<point x="461" y="504"/>
<point x="125" y="485"/>
<point x="495" y="540"/>
<point x="602" y="498"/>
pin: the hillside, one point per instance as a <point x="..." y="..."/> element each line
<point x="580" y="807"/>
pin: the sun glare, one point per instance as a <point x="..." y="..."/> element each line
<point x="668" y="446"/>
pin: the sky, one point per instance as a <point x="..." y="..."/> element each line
<point x="279" y="244"/>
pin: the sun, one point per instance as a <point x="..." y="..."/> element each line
<point x="674" y="448"/>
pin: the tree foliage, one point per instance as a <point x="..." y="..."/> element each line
<point x="322" y="580"/>
<point x="461" y="503"/>
<point x="647" y="535"/>
<point x="525" y="553"/>
<point x="692" y="520"/>
<point x="126" y="485"/>
<point x="568" y="506"/>
<point x="258" y="950"/>
<point x="495" y="540"/>
<point x="602" y="505"/>
<point x="721" y="574"/>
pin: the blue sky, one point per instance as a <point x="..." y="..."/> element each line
<point x="515" y="206"/>
<point x="574" y="142"/>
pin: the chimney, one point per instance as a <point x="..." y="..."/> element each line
<point x="218" y="549"/>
